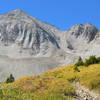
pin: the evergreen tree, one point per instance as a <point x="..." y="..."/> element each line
<point x="91" y="60"/>
<point x="79" y="62"/>
<point x="98" y="59"/>
<point x="10" y="79"/>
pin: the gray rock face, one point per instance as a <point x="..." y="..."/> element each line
<point x="18" y="28"/>
<point x="23" y="37"/>
<point x="87" y="31"/>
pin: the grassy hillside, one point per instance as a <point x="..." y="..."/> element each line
<point x="87" y="76"/>
<point x="52" y="85"/>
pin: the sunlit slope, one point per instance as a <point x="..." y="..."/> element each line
<point x="88" y="76"/>
<point x="38" y="88"/>
<point x="55" y="84"/>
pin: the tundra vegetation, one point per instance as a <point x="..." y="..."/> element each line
<point x="55" y="84"/>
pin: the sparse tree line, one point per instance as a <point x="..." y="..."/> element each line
<point x="86" y="62"/>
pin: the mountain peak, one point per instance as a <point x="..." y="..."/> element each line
<point x="17" y="12"/>
<point x="85" y="30"/>
<point x="84" y="25"/>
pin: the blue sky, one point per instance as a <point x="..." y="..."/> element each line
<point x="61" y="13"/>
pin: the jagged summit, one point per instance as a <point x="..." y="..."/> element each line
<point x="16" y="15"/>
<point x="87" y="31"/>
<point x="16" y="12"/>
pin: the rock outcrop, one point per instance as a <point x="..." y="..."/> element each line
<point x="83" y="93"/>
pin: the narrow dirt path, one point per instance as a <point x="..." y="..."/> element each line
<point x="83" y="93"/>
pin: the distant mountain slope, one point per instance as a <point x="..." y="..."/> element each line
<point x="38" y="38"/>
<point x="22" y="33"/>
<point x="24" y="38"/>
<point x="17" y="27"/>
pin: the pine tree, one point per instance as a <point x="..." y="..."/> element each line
<point x="91" y="60"/>
<point x="10" y="79"/>
<point x="79" y="62"/>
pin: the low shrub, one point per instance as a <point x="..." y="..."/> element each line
<point x="76" y="69"/>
